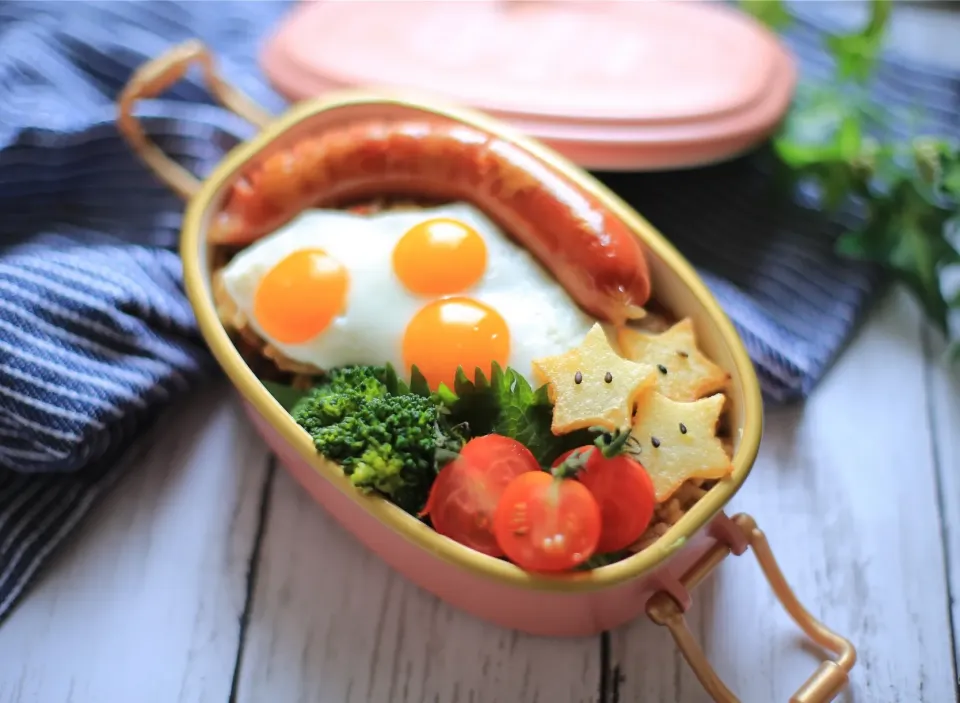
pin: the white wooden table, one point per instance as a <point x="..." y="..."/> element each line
<point x="209" y="575"/>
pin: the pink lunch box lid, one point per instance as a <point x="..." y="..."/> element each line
<point x="611" y="85"/>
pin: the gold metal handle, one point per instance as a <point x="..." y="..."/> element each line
<point x="825" y="683"/>
<point x="154" y="77"/>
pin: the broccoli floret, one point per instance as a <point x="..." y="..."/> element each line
<point x="323" y="408"/>
<point x="341" y="394"/>
<point x="383" y="442"/>
<point x="364" y="382"/>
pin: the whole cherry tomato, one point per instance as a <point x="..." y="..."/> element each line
<point x="465" y="494"/>
<point x="625" y="493"/>
<point x="545" y="523"/>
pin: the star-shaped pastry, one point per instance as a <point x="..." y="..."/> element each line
<point x="593" y="386"/>
<point x="683" y="372"/>
<point x="677" y="441"/>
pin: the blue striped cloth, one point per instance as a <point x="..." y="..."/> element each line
<point x="96" y="336"/>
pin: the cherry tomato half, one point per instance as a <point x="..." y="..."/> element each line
<point x="465" y="494"/>
<point x="626" y="496"/>
<point x="547" y="524"/>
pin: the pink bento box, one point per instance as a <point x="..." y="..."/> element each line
<point x="658" y="579"/>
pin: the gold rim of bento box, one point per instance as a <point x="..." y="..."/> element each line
<point x="154" y="77"/>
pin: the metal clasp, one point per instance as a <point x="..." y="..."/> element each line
<point x="830" y="678"/>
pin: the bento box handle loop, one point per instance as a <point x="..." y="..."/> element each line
<point x="826" y="682"/>
<point x="154" y="77"/>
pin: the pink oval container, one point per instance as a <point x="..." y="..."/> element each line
<point x="656" y="581"/>
<point x="609" y="85"/>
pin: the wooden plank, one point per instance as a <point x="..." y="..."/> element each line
<point x="943" y="388"/>
<point x="845" y="490"/>
<point x="144" y="604"/>
<point x="331" y="622"/>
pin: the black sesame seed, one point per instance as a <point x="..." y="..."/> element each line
<point x="663" y="369"/>
<point x="578" y="378"/>
<point x="655" y="442"/>
<point x="608" y="378"/>
<point x="683" y="354"/>
<point x="683" y="428"/>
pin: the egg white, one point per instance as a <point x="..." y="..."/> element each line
<point x="542" y="317"/>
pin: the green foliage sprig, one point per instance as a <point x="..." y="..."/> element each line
<point x="905" y="191"/>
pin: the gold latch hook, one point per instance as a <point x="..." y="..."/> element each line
<point x="830" y="678"/>
<point x="154" y="77"/>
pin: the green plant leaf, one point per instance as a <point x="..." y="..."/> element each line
<point x="772" y="13"/>
<point x="856" y="53"/>
<point x="908" y="190"/>
<point x="393" y="383"/>
<point x="823" y="141"/>
<point x="506" y="404"/>
<point x="905" y="232"/>
<point x="286" y="395"/>
<point x="816" y="126"/>
<point x="951" y="179"/>
<point x="524" y="416"/>
<point x="418" y="383"/>
<point x="446" y="395"/>
<point x="849" y="139"/>
<point x="475" y="404"/>
<point x="953" y="351"/>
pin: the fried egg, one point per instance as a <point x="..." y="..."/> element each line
<point x="438" y="288"/>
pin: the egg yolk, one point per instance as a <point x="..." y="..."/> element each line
<point x="439" y="256"/>
<point x="299" y="297"/>
<point x="453" y="332"/>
